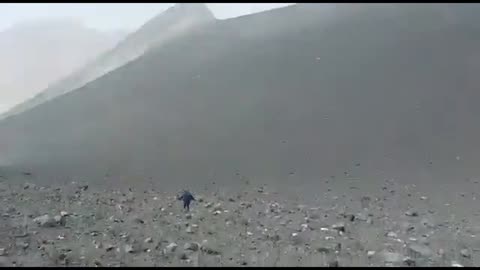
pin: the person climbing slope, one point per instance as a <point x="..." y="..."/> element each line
<point x="187" y="198"/>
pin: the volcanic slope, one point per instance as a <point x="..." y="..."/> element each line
<point x="168" y="25"/>
<point x="277" y="97"/>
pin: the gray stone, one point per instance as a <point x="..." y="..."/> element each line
<point x="465" y="253"/>
<point x="339" y="227"/>
<point x="191" y="246"/>
<point x="129" y="248"/>
<point x="409" y="261"/>
<point x="392" y="257"/>
<point x="427" y="223"/>
<point x="148" y="240"/>
<point x="419" y="251"/>
<point x="411" y="213"/>
<point x="208" y="205"/>
<point x="60" y="220"/>
<point x="138" y="220"/>
<point x="171" y="247"/>
<point x="45" y="221"/>
<point x="210" y="248"/>
<point x="217" y="207"/>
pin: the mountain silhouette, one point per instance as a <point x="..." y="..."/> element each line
<point x="164" y="27"/>
<point x="37" y="53"/>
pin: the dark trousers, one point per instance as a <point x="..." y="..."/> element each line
<point x="186" y="205"/>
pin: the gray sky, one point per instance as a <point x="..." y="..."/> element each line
<point x="114" y="16"/>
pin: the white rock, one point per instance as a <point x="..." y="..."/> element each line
<point x="217" y="206"/>
<point x="148" y="240"/>
<point x="392" y="235"/>
<point x="171" y="247"/>
<point x="456" y="264"/>
<point x="128" y="248"/>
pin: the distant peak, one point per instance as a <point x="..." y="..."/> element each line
<point x="192" y="8"/>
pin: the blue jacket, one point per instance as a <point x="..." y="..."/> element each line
<point x="186" y="197"/>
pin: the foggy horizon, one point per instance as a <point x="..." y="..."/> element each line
<point x="105" y="16"/>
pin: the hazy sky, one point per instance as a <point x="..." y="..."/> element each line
<point x="114" y="16"/>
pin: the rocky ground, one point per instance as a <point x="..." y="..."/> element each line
<point x="78" y="225"/>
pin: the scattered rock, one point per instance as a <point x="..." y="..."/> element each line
<point x="148" y="240"/>
<point x="411" y="213"/>
<point x="408" y="261"/>
<point x="209" y="248"/>
<point x="209" y="205"/>
<point x="456" y="264"/>
<point x="465" y="253"/>
<point x="217" y="207"/>
<point x="392" y="257"/>
<point x="138" y="220"/>
<point x="171" y="247"/>
<point x="45" y="221"/>
<point x="392" y="235"/>
<point x="427" y="223"/>
<point x="109" y="247"/>
<point x="297" y="239"/>
<point x="339" y="227"/>
<point x="60" y="220"/>
<point x="191" y="246"/>
<point x="418" y="251"/>
<point x="129" y="248"/>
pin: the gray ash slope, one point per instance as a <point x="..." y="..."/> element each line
<point x="279" y="97"/>
<point x="168" y="25"/>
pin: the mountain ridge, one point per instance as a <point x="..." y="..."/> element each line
<point x="161" y="28"/>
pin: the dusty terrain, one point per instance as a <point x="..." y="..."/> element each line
<point x="254" y="226"/>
